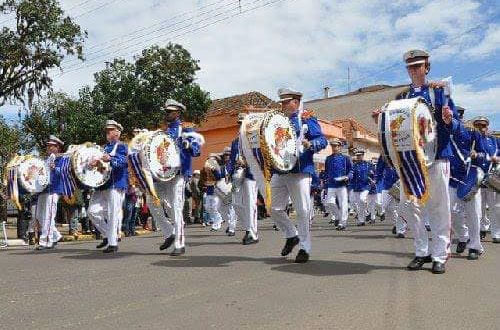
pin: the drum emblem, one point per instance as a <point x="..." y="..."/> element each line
<point x="32" y="172"/>
<point x="281" y="137"/>
<point x="396" y="124"/>
<point x="162" y="152"/>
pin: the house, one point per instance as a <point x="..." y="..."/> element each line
<point x="220" y="126"/>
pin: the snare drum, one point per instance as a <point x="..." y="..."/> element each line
<point x="467" y="189"/>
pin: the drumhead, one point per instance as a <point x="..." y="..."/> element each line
<point x="162" y="156"/>
<point x="280" y="141"/>
<point x="87" y="175"/>
<point x="33" y="174"/>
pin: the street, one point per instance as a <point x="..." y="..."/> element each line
<point x="356" y="279"/>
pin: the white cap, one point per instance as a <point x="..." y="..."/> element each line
<point x="113" y="124"/>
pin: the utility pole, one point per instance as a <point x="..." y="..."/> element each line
<point x="348" y="79"/>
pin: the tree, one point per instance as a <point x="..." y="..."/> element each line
<point x="41" y="39"/>
<point x="72" y="120"/>
<point x="132" y="93"/>
<point x="11" y="138"/>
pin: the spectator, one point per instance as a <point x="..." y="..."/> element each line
<point x="130" y="211"/>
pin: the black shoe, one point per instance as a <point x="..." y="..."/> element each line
<point x="276" y="228"/>
<point x="178" y="252"/>
<point x="461" y="247"/>
<point x="230" y="233"/>
<point x="438" y="267"/>
<point x="212" y="229"/>
<point x="394" y="230"/>
<point x="227" y="230"/>
<point x="110" y="249"/>
<point x="473" y="254"/>
<point x="31" y="238"/>
<point x="367" y="218"/>
<point x="102" y="244"/>
<point x="247" y="240"/>
<point x="326" y="215"/>
<point x="331" y="222"/>
<point x="168" y="241"/>
<point x="289" y="245"/>
<point x="382" y="217"/>
<point x="41" y="247"/>
<point x="400" y="235"/>
<point x="336" y="223"/>
<point x="340" y="227"/>
<point x="482" y="234"/>
<point x="428" y="227"/>
<point x="302" y="257"/>
<point x="495" y="240"/>
<point x="418" y="262"/>
<point x="361" y="224"/>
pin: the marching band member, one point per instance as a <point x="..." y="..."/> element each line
<point x="362" y="173"/>
<point x="374" y="198"/>
<point x="212" y="199"/>
<point x="46" y="208"/>
<point x="226" y="206"/>
<point x="484" y="156"/>
<point x="297" y="183"/>
<point x="172" y="192"/>
<point x="106" y="203"/>
<point x="338" y="172"/>
<point x="389" y="177"/>
<point x="437" y="207"/>
<point x="244" y="193"/>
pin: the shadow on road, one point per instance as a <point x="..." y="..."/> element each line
<point x="389" y="253"/>
<point x="313" y="267"/>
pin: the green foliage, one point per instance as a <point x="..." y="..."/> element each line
<point x="132" y="93"/>
<point x="41" y="39"/>
<point x="72" y="120"/>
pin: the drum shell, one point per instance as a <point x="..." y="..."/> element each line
<point x="472" y="184"/>
<point x="493" y="179"/>
<point x="42" y="179"/>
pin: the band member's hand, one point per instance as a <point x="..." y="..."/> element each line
<point x="447" y="115"/>
<point x="306" y="144"/>
<point x="473" y="154"/>
<point x="106" y="158"/>
<point x="495" y="159"/>
<point x="346" y="179"/>
<point x="185" y="144"/>
<point x="93" y="163"/>
<point x="52" y="165"/>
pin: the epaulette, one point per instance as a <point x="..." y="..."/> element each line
<point x="307" y="114"/>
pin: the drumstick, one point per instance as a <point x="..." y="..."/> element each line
<point x="470" y="162"/>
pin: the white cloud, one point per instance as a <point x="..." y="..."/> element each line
<point x="477" y="101"/>
<point x="490" y="44"/>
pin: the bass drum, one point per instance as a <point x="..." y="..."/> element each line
<point x="33" y="173"/>
<point x="272" y="135"/>
<point x="159" y="153"/>
<point x="92" y="176"/>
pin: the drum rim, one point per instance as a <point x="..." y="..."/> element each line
<point x="17" y="164"/>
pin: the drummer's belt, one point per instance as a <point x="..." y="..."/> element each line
<point x="408" y="161"/>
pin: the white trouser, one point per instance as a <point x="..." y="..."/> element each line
<point x="373" y="200"/>
<point x="391" y="206"/>
<point x="46" y="210"/>
<point x="296" y="186"/>
<point x="359" y="200"/>
<point x="105" y="211"/>
<point x="245" y="205"/>
<point x="227" y="213"/>
<point x="458" y="217"/>
<point x="212" y="206"/>
<point x="494" y="208"/>
<point x="171" y="194"/>
<point x="341" y="211"/>
<point x="438" y="210"/>
<point x="486" y="196"/>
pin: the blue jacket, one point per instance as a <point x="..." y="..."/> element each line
<point x="460" y="146"/>
<point x="485" y="146"/>
<point x="119" y="167"/>
<point x="56" y="183"/>
<point x="362" y="172"/>
<point x="443" y="132"/>
<point x="385" y="175"/>
<point x="336" y="166"/>
<point x="175" y="131"/>
<point x="314" y="135"/>
<point x="235" y="153"/>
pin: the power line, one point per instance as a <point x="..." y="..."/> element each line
<point x="140" y="36"/>
<point x="96" y="8"/>
<point x="141" y="46"/>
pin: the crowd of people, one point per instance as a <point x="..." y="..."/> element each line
<point x="417" y="196"/>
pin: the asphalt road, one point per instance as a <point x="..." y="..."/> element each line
<point x="355" y="280"/>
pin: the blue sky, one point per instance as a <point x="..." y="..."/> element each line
<point x="307" y="44"/>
